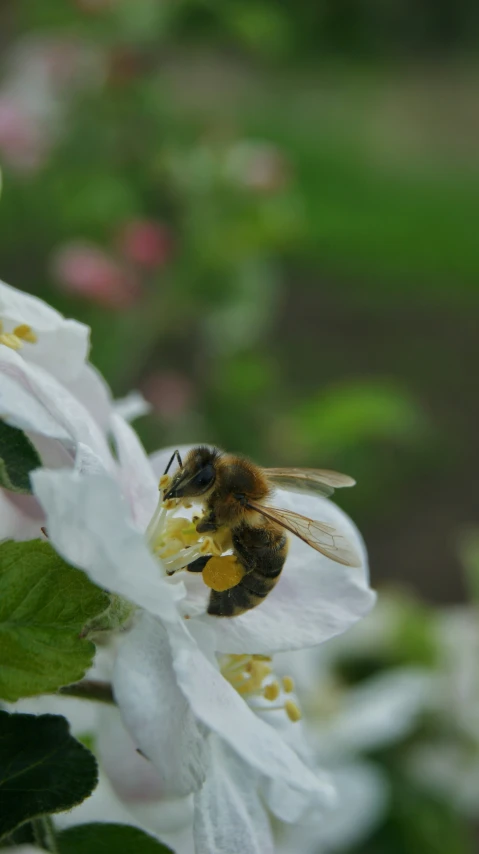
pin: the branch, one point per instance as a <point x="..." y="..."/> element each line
<point x="90" y="689"/>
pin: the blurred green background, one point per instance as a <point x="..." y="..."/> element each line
<point x="268" y="214"/>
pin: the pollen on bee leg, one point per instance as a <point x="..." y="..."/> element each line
<point x="222" y="573"/>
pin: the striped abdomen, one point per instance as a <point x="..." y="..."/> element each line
<point x="262" y="554"/>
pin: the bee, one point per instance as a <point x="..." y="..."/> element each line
<point x="234" y="493"/>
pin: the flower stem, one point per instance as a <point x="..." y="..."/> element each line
<point x="44" y="833"/>
<point x="90" y="689"/>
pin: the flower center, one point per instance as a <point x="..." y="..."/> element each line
<point x="252" y="676"/>
<point x="16" y="339"/>
<point x="175" y="540"/>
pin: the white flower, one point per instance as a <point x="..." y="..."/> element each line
<point x="198" y="732"/>
<point x="342" y="723"/>
<point x="446" y="761"/>
<point x="48" y="389"/>
<point x="171" y="680"/>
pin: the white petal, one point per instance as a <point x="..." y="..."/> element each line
<point x="314" y="599"/>
<point x="362" y="792"/>
<point x="62" y="345"/>
<point x="376" y="713"/>
<point x="93" y="392"/>
<point x="155" y="711"/>
<point x="229" y="816"/>
<point x="89" y="524"/>
<point x="132" y="406"/>
<point x="223" y="710"/>
<point x="20" y="516"/>
<point x="132" y="776"/>
<point x="33" y="400"/>
<point x="139" y="484"/>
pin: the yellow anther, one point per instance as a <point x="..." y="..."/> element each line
<point x="271" y="691"/>
<point x="169" y="504"/>
<point x="187" y="504"/>
<point x="292" y="710"/>
<point x="222" y="573"/>
<point x="288" y="684"/>
<point x="165" y="481"/>
<point x="26" y="333"/>
<point x="258" y="671"/>
<point x="11" y="340"/>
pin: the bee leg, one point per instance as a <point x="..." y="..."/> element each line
<point x="199" y="564"/>
<point x="208" y="523"/>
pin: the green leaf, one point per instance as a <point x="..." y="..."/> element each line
<point x="108" y="839"/>
<point x="43" y="769"/>
<point x="18" y="458"/>
<point x="44" y="605"/>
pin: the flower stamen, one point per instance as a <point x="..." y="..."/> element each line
<point x="252" y="677"/>
<point x="16" y="339"/>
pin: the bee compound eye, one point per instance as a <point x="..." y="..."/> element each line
<point x="205" y="477"/>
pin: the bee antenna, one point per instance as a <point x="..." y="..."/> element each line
<point x="177" y="455"/>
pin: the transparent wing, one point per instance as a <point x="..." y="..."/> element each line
<point x="324" y="538"/>
<point x="308" y="480"/>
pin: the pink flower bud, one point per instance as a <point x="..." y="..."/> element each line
<point x="88" y="271"/>
<point x="146" y="243"/>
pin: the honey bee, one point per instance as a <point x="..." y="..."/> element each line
<point x="234" y="494"/>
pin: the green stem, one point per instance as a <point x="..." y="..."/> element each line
<point x="44" y="833"/>
<point x="90" y="689"/>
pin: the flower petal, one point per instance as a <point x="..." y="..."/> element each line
<point x="314" y="599"/>
<point x="155" y="711"/>
<point x="376" y="713"/>
<point x="132" y="406"/>
<point x="93" y="392"/>
<point x="33" y="400"/>
<point x="138" y="482"/>
<point x="62" y="345"/>
<point x="224" y="711"/>
<point x="89" y="524"/>
<point x="229" y="815"/>
<point x="362" y="798"/>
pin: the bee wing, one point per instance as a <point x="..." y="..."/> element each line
<point x="309" y="480"/>
<point x="320" y="536"/>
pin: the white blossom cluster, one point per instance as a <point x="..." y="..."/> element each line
<point x="205" y="744"/>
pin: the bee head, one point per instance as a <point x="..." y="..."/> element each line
<point x="196" y="476"/>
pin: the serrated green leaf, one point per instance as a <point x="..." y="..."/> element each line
<point x="108" y="839"/>
<point x="18" y="458"/>
<point x="43" y="769"/>
<point x="44" y="605"/>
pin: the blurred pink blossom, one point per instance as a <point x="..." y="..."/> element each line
<point x="22" y="142"/>
<point x="88" y="271"/>
<point x="146" y="243"/>
<point x="169" y="392"/>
